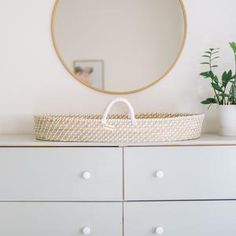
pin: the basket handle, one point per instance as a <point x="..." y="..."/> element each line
<point x="118" y="100"/>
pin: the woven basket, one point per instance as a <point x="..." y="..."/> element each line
<point x="140" y="128"/>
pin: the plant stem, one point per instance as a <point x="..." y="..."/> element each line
<point x="210" y="61"/>
<point x="217" y="97"/>
<point x="210" y="65"/>
<point x="225" y="101"/>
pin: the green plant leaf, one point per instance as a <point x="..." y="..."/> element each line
<point x="227" y="77"/>
<point x="206" y="56"/>
<point x="213" y="53"/>
<point x="208" y="74"/>
<point x="205" y="74"/>
<point x="214" y="49"/>
<point x="233" y="92"/>
<point x="214" y="58"/>
<point x="209" y="101"/>
<point x="215" y="79"/>
<point x="214" y="66"/>
<point x="205" y="63"/>
<point x="224" y="95"/>
<point x="217" y="87"/>
<point x="233" y="46"/>
<point x="211" y="74"/>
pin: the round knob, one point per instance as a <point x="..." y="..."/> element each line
<point x="86" y="175"/>
<point x="159" y="174"/>
<point x="86" y="231"/>
<point x="159" y="230"/>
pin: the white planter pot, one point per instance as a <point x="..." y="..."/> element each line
<point x="227" y="115"/>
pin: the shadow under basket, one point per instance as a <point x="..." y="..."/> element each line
<point x="141" y="128"/>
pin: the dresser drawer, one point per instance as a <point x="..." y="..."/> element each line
<point x="60" y="174"/>
<point x="60" y="219"/>
<point x="177" y="173"/>
<point x="180" y="218"/>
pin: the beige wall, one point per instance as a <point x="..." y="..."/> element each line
<point x="33" y="81"/>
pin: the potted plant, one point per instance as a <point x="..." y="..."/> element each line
<point x="224" y="90"/>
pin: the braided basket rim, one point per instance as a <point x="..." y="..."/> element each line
<point x="119" y="117"/>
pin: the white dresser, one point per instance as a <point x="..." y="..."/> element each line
<point x="70" y="189"/>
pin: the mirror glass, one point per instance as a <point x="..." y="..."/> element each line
<point x="118" y="46"/>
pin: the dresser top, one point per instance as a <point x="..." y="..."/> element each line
<point x="29" y="141"/>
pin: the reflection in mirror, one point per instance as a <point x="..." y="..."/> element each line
<point x="118" y="46"/>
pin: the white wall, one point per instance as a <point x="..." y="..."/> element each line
<point x="33" y="80"/>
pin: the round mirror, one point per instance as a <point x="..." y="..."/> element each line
<point x="119" y="46"/>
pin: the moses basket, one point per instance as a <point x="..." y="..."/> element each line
<point x="140" y="128"/>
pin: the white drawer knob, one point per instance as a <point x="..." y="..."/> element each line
<point x="159" y="174"/>
<point x="86" y="175"/>
<point x="86" y="231"/>
<point x="159" y="230"/>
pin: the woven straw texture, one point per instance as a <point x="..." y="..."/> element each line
<point x="149" y="128"/>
